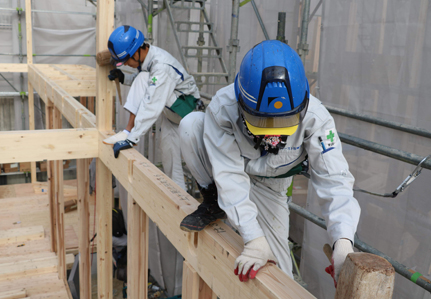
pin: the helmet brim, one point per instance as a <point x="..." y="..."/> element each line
<point x="271" y="131"/>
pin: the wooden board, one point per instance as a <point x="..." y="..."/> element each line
<point x="14" y="294"/>
<point x="19" y="235"/>
<point x="27" y="146"/>
<point x="213" y="251"/>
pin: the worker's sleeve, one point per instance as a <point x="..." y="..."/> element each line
<point x="129" y="78"/>
<point x="332" y="180"/>
<point x="233" y="184"/>
<point x="160" y="89"/>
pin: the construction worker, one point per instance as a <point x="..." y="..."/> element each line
<point x="244" y="150"/>
<point x="162" y="88"/>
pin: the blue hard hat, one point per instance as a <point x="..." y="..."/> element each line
<point x="271" y="89"/>
<point x="124" y="42"/>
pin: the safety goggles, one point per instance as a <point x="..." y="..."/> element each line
<point x="273" y="124"/>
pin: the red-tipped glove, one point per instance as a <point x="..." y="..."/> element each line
<point x="255" y="255"/>
<point x="341" y="249"/>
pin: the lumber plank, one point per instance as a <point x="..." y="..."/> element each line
<point x="13" y="68"/>
<point x="38" y="145"/>
<point x="190" y="282"/>
<point x="78" y="88"/>
<point x="14" y="294"/>
<point x="213" y="251"/>
<point x="21" y="234"/>
<point x="365" y="275"/>
<point x="28" y="267"/>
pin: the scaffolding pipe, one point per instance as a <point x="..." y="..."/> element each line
<point x="61" y="55"/>
<point x="385" y="150"/>
<point x="150" y="21"/>
<point x="303" y="46"/>
<point x="177" y="40"/>
<point x="53" y="11"/>
<point x="399" y="268"/>
<point x="256" y="11"/>
<point x="380" y="122"/>
<point x="233" y="42"/>
<point x="14" y="93"/>
<point x="281" y="27"/>
<point x="214" y="41"/>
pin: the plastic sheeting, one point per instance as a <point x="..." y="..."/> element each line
<point x="371" y="57"/>
<point x="374" y="59"/>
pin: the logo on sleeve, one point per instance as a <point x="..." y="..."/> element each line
<point x="154" y="79"/>
<point x="330" y="137"/>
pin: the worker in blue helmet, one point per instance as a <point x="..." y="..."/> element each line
<point x="161" y="88"/>
<point x="245" y="149"/>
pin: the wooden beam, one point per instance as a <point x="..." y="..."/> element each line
<point x="28" y="31"/>
<point x="82" y="174"/>
<point x="26" y="146"/>
<point x="63" y="72"/>
<point x="13" y="68"/>
<point x="21" y="234"/>
<point x="13" y="294"/>
<point x="365" y="275"/>
<point x="213" y="251"/>
<point x="104" y="94"/>
<point x="78" y="88"/>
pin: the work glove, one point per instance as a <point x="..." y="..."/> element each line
<point x="116" y="73"/>
<point x="256" y="254"/>
<point x="122" y="145"/>
<point x="341" y="249"/>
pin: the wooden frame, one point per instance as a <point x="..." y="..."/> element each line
<point x="209" y="255"/>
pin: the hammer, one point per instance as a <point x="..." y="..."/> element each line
<point x="103" y="58"/>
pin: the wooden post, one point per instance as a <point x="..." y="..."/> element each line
<point x="365" y="275"/>
<point x="30" y="87"/>
<point x="194" y="287"/>
<point x="59" y="199"/>
<point x="137" y="243"/>
<point x="82" y="175"/>
<point x="104" y="94"/>
<point x="49" y="108"/>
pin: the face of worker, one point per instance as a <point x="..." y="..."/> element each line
<point x="134" y="60"/>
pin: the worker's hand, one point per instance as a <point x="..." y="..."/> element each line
<point x="341" y="249"/>
<point x="116" y="73"/>
<point x="255" y="255"/>
<point x="122" y="145"/>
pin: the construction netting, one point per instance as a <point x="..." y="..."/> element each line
<point x="369" y="57"/>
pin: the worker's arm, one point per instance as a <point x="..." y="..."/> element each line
<point x="233" y="184"/>
<point x="161" y="87"/>
<point x="331" y="178"/>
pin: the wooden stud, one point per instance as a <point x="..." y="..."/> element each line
<point x="190" y="282"/>
<point x="365" y="275"/>
<point x="82" y="174"/>
<point x="59" y="199"/>
<point x="137" y="250"/>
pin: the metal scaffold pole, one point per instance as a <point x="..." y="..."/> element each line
<point x="233" y="42"/>
<point x="303" y="46"/>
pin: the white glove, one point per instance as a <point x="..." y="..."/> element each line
<point x="256" y="254"/>
<point x="341" y="249"/>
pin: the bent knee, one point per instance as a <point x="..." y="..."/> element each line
<point x="191" y="124"/>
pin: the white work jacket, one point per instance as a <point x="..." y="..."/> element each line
<point x="234" y="160"/>
<point x="167" y="81"/>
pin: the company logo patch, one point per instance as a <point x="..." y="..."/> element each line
<point x="330" y="138"/>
